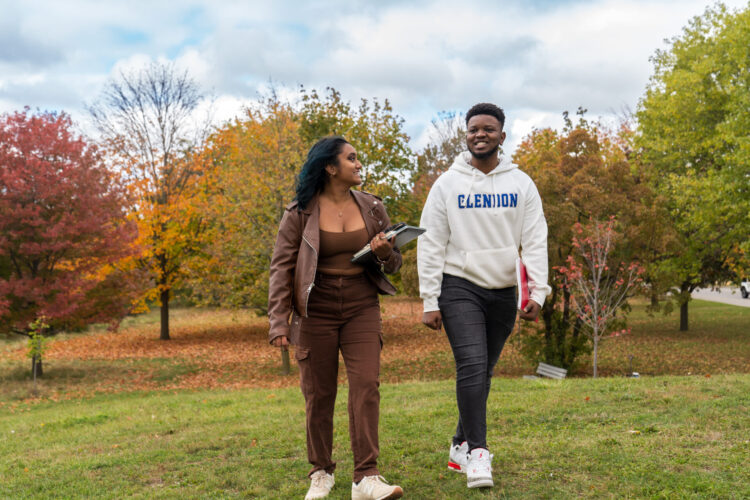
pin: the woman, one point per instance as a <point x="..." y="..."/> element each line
<point x="334" y="305"/>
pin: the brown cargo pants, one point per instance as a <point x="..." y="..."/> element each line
<point x="343" y="314"/>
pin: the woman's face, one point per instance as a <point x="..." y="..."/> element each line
<point x="348" y="168"/>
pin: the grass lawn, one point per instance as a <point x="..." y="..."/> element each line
<point x="653" y="437"/>
<point x="208" y="415"/>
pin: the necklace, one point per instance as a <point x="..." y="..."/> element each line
<point x="341" y="209"/>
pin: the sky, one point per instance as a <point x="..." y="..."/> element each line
<point x="534" y="58"/>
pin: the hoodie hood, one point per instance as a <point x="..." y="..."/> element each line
<point x="461" y="164"/>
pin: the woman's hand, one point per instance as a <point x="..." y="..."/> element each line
<point x="381" y="247"/>
<point x="281" y="341"/>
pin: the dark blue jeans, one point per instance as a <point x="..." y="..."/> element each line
<point x="477" y="322"/>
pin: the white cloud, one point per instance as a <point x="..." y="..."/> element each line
<point x="536" y="59"/>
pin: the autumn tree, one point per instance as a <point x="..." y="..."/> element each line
<point x="377" y="134"/>
<point x="254" y="161"/>
<point x="447" y="135"/>
<point x="253" y="164"/>
<point x="599" y="289"/>
<point x="582" y="172"/>
<point x="147" y="119"/>
<point x="62" y="228"/>
<point x="694" y="132"/>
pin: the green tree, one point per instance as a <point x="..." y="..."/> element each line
<point x="694" y="132"/>
<point x="377" y="134"/>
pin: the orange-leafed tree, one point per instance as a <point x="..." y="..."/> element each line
<point x="252" y="162"/>
<point x="63" y="232"/>
<point x="148" y="122"/>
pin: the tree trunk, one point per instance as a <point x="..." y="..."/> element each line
<point x="685" y="290"/>
<point x="164" y="315"/>
<point x="684" y="316"/>
<point x="596" y="352"/>
<point x="36" y="367"/>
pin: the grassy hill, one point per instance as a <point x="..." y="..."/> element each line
<point x="208" y="415"/>
<point x="653" y="437"/>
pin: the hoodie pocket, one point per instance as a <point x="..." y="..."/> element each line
<point x="492" y="268"/>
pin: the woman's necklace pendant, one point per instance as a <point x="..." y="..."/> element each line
<point x="341" y="214"/>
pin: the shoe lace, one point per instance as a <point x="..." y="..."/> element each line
<point x="318" y="480"/>
<point x="369" y="483"/>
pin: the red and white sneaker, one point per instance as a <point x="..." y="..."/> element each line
<point x="479" y="469"/>
<point x="458" y="457"/>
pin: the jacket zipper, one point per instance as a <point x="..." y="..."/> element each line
<point x="315" y="270"/>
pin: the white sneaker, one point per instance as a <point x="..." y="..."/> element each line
<point x="479" y="469"/>
<point x="375" y="488"/>
<point x="321" y="483"/>
<point x="459" y="457"/>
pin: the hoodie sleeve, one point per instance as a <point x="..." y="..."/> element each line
<point x="431" y="247"/>
<point x="534" y="245"/>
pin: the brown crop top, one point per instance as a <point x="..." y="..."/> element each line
<point x="337" y="249"/>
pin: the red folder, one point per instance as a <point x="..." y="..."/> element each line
<point x="522" y="279"/>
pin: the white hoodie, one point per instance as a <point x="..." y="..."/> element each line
<point x="475" y="225"/>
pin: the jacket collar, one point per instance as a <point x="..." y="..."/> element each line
<point x="311" y="232"/>
<point x="368" y="206"/>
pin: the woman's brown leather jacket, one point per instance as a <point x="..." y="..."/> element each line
<point x="295" y="260"/>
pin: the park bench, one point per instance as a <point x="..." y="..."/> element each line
<point x="549" y="371"/>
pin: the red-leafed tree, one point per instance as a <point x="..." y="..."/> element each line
<point x="599" y="284"/>
<point x="62" y="227"/>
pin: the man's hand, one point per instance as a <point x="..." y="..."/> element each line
<point x="531" y="311"/>
<point x="433" y="319"/>
<point x="282" y="341"/>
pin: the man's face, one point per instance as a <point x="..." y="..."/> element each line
<point x="484" y="135"/>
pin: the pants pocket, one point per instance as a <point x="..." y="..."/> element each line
<point x="302" y="355"/>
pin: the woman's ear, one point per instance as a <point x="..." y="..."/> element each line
<point x="331" y="170"/>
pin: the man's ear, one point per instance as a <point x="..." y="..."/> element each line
<point x="502" y="137"/>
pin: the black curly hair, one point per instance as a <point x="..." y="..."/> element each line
<point x="486" y="108"/>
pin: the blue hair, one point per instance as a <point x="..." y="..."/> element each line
<point x="313" y="176"/>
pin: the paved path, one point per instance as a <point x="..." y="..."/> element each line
<point x="726" y="296"/>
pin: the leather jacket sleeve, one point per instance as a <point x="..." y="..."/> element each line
<point x="281" y="274"/>
<point x="393" y="263"/>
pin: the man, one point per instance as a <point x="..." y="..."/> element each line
<point x="477" y="215"/>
